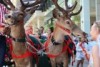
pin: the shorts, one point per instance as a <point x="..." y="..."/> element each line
<point x="80" y="55"/>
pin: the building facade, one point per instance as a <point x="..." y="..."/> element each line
<point x="89" y="14"/>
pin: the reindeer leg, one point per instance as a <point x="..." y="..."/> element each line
<point x="59" y="65"/>
<point x="53" y="62"/>
<point x="65" y="63"/>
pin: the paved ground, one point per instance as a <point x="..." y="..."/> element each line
<point x="85" y="64"/>
<point x="42" y="64"/>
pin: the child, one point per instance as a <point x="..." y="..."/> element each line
<point x="80" y="56"/>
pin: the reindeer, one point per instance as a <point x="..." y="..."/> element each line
<point x="15" y="20"/>
<point x="63" y="26"/>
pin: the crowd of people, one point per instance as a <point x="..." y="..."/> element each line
<point x="88" y="48"/>
<point x="3" y="11"/>
<point x="85" y="48"/>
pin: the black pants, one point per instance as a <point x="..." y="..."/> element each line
<point x="44" y="61"/>
<point x="2" y="49"/>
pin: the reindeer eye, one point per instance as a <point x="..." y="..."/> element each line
<point x="9" y="16"/>
<point x="68" y="22"/>
<point x="21" y="14"/>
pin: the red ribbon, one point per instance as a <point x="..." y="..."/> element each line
<point x="65" y="48"/>
<point x="65" y="29"/>
<point x="86" y="55"/>
<point x="25" y="55"/>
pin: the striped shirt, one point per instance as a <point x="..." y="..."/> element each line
<point x="3" y="11"/>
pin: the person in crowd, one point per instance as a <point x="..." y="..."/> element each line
<point x="41" y="30"/>
<point x="91" y="43"/>
<point x="29" y="30"/>
<point x="80" y="56"/>
<point x="75" y="39"/>
<point x="71" y="49"/>
<point x="95" y="34"/>
<point x="37" y="32"/>
<point x="42" y="35"/>
<point x="3" y="30"/>
<point x="50" y="31"/>
<point x="3" y="11"/>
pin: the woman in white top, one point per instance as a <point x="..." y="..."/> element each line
<point x="91" y="43"/>
<point x="95" y="34"/>
<point x="80" y="56"/>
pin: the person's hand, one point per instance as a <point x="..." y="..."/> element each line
<point x="5" y="30"/>
<point x="1" y="29"/>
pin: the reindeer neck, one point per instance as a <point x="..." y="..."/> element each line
<point x="58" y="35"/>
<point x="17" y="31"/>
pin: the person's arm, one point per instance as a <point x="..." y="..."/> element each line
<point x="5" y="10"/>
<point x="87" y="50"/>
<point x="95" y="54"/>
<point x="1" y="29"/>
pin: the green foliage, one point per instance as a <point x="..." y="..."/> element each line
<point x="76" y="19"/>
<point x="49" y="23"/>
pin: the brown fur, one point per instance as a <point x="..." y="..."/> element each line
<point x="63" y="19"/>
<point x="15" y="19"/>
<point x="17" y="31"/>
<point x="56" y="49"/>
<point x="59" y="37"/>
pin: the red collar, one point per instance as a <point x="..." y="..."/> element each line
<point x="63" y="28"/>
<point x="84" y="51"/>
<point x="26" y="54"/>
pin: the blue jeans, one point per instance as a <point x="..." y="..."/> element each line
<point x="2" y="49"/>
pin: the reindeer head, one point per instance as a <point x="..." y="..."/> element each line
<point x="18" y="15"/>
<point x="63" y="17"/>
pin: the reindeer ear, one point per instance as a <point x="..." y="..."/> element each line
<point x="56" y="13"/>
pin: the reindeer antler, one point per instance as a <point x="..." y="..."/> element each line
<point x="32" y="9"/>
<point x="24" y="6"/>
<point x="68" y="11"/>
<point x="55" y="13"/>
<point x="8" y="2"/>
<point x="68" y="8"/>
<point x="58" y="7"/>
<point x="72" y="14"/>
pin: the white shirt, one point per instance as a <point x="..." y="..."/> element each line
<point x="78" y="47"/>
<point x="91" y="58"/>
<point x="90" y="46"/>
<point x="98" y="43"/>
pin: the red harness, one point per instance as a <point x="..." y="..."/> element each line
<point x="63" y="28"/>
<point x="1" y="26"/>
<point x="65" y="48"/>
<point x="25" y="55"/>
<point x="84" y="50"/>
